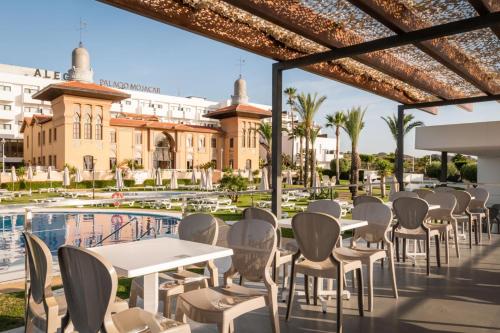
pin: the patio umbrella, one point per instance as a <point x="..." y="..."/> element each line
<point x="369" y="189"/>
<point x="264" y="182"/>
<point x="173" y="180"/>
<point x="13" y="176"/>
<point x="289" y="177"/>
<point x="66" y="181"/>
<point x="158" y="179"/>
<point x="210" y="185"/>
<point x="49" y="175"/>
<point x="394" y="186"/>
<point x="193" y="177"/>
<point x="250" y="176"/>
<point x="30" y="175"/>
<point x="78" y="177"/>
<point x="118" y="179"/>
<point x="203" y="180"/>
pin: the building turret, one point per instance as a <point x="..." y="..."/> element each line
<point x="80" y="66"/>
<point x="240" y="92"/>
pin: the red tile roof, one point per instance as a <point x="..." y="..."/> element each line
<point x="36" y="119"/>
<point x="82" y="89"/>
<point x="125" y="122"/>
<point x="242" y="110"/>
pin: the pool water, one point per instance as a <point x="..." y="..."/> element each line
<point x="79" y="229"/>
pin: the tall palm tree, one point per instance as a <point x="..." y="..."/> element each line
<point x="307" y="107"/>
<point x="291" y="93"/>
<point x="266" y="132"/>
<point x="336" y="120"/>
<point x="353" y="125"/>
<point x="408" y="125"/>
<point x="314" y="136"/>
<point x="299" y="132"/>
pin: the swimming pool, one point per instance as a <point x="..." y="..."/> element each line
<point x="79" y="228"/>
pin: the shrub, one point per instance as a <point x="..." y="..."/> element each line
<point x="233" y="183"/>
<point x="434" y="171"/>
<point x="345" y="168"/>
<point x="469" y="172"/>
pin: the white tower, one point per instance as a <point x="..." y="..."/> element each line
<point x="80" y="65"/>
<point x="240" y="92"/>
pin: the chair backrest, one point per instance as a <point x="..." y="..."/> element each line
<point x="254" y="244"/>
<point x="325" y="206"/>
<point x="90" y="284"/>
<point x="254" y="213"/>
<point x="410" y="212"/>
<point x="402" y="194"/>
<point x="443" y="189"/>
<point x="423" y="192"/>
<point x="463" y="201"/>
<point x="360" y="199"/>
<point x="445" y="200"/>
<point x="379" y="217"/>
<point x="316" y="234"/>
<point x="480" y="195"/>
<point x="200" y="228"/>
<point x="40" y="267"/>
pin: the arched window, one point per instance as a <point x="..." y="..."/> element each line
<point x="244" y="140"/>
<point x="76" y="122"/>
<point x="87" y="127"/>
<point x="98" y="128"/>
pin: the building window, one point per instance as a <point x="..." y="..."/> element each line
<point x="30" y="90"/>
<point x="88" y="162"/>
<point x="214" y="163"/>
<point x="249" y="138"/>
<point x="38" y="139"/>
<point x="50" y="159"/>
<point x="244" y="138"/>
<point x="43" y="160"/>
<point x="55" y="134"/>
<point x="50" y="135"/>
<point x="254" y="138"/>
<point x="201" y="143"/>
<point x="112" y="163"/>
<point x="138" y="162"/>
<point x="189" y="141"/>
<point x="231" y="164"/>
<point x="98" y="128"/>
<point x="231" y="143"/>
<point x="43" y="138"/>
<point x="87" y="127"/>
<point x="138" y="138"/>
<point x="76" y="122"/>
<point x="6" y="126"/>
<point x="27" y="141"/>
<point x="5" y="88"/>
<point x="6" y="107"/>
<point x="248" y="164"/>
<point x="112" y="136"/>
<point x="54" y="159"/>
<point x="189" y="164"/>
<point x="213" y="143"/>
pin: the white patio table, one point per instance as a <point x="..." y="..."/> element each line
<point x="147" y="258"/>
<point x="345" y="224"/>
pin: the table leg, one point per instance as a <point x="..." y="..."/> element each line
<point x="150" y="283"/>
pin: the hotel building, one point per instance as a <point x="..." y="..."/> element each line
<point x="80" y="127"/>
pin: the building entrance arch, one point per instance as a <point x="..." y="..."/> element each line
<point x="164" y="154"/>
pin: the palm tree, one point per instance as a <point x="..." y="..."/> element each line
<point x="314" y="136"/>
<point x="353" y="125"/>
<point x="299" y="132"/>
<point x="291" y="92"/>
<point x="408" y="125"/>
<point x="266" y="132"/>
<point x="336" y="120"/>
<point x="384" y="169"/>
<point x="307" y="107"/>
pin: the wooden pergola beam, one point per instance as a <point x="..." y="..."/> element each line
<point x="327" y="33"/>
<point x="212" y="25"/>
<point x="484" y="7"/>
<point x="397" y="17"/>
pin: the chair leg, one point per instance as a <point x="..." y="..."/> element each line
<point x="340" y="291"/>
<point x="359" y="273"/>
<point x="447" y="247"/>
<point x="241" y="280"/>
<point x="455" y="236"/>
<point x="393" y="270"/>
<point x="438" y="252"/>
<point x="306" y="289"/>
<point x="470" y="232"/>
<point x="273" y="309"/>
<point x="397" y="249"/>
<point x="404" y="249"/>
<point x="166" y="306"/>
<point x="488" y="223"/>
<point x="315" y="291"/>
<point x="291" y="292"/>
<point x="382" y="261"/>
<point x="428" y="254"/>
<point x="370" y="287"/>
<point x="132" y="301"/>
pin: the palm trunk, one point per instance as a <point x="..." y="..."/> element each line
<point x="354" y="171"/>
<point x="300" y="161"/>
<point x="337" y="159"/>
<point x="269" y="168"/>
<point x="293" y="142"/>
<point x="313" y="166"/>
<point x="306" y="161"/>
<point x="382" y="186"/>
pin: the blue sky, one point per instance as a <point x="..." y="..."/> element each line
<point x="128" y="47"/>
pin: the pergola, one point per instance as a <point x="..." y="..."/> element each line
<point x="420" y="53"/>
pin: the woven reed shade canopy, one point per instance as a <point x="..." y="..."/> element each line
<point x="458" y="66"/>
